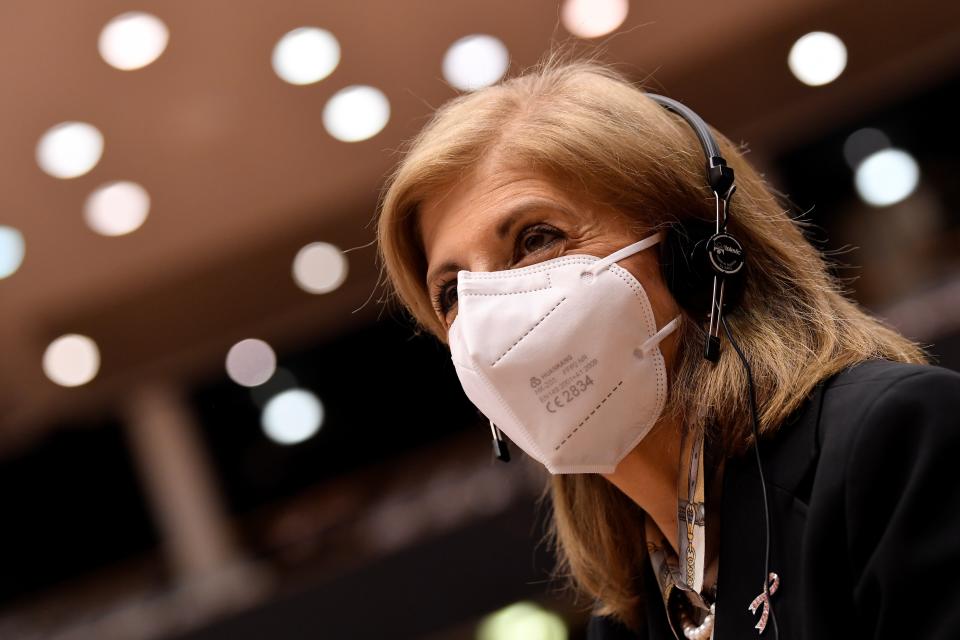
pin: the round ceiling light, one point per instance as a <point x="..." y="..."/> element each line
<point x="133" y="40"/>
<point x="251" y="362"/>
<point x="71" y="360"/>
<point x="475" y="61"/>
<point x="12" y="248"/>
<point x="593" y="18"/>
<point x="861" y="143"/>
<point x="319" y="267"/>
<point x="292" y="416"/>
<point x="817" y="58"/>
<point x="117" y="208"/>
<point x="356" y="113"/>
<point x="70" y="149"/>
<point x="886" y="177"/>
<point x="306" y="55"/>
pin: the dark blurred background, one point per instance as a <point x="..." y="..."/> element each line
<point x="212" y="427"/>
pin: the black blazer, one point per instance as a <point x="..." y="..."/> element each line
<point x="864" y="485"/>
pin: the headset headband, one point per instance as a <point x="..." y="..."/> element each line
<point x="719" y="175"/>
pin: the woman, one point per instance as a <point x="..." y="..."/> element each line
<point x="533" y="227"/>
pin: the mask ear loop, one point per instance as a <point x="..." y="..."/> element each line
<point x="654" y="341"/>
<point x="604" y="263"/>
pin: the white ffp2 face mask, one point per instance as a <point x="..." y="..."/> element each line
<point x="563" y="356"/>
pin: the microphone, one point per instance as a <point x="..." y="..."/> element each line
<point x="500" y="449"/>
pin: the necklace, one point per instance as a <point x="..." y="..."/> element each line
<point x="704" y="630"/>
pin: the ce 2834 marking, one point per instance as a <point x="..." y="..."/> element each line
<point x="569" y="394"/>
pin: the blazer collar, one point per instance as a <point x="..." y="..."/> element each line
<point x="788" y="456"/>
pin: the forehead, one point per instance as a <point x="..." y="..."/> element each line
<point x="469" y="209"/>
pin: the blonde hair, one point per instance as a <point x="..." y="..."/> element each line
<point x="586" y="125"/>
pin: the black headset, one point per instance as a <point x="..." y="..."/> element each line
<point x="697" y="256"/>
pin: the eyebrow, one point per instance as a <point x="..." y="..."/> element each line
<point x="446" y="267"/>
<point x="503" y="228"/>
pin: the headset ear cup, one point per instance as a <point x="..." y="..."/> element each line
<point x="684" y="271"/>
<point x="733" y="290"/>
<point x="687" y="271"/>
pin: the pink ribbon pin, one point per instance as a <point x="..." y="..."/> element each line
<point x="764" y="598"/>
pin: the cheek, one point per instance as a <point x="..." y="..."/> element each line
<point x="645" y="267"/>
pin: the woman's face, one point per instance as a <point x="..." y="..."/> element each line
<point x="504" y="219"/>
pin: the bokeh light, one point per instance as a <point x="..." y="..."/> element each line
<point x="475" y="61"/>
<point x="817" y="58"/>
<point x="71" y="360"/>
<point x="12" y="249"/>
<point x="116" y="208"/>
<point x="306" y="55"/>
<point x="886" y="177"/>
<point x="319" y="267"/>
<point x="70" y="149"/>
<point x="292" y="416"/>
<point x="251" y="362"/>
<point x="133" y="40"/>
<point x="522" y="621"/>
<point x="593" y="18"/>
<point x="356" y="113"/>
<point x="863" y="142"/>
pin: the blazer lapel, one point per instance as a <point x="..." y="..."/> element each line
<point x="788" y="459"/>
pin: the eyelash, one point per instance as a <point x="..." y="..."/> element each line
<point x="440" y="302"/>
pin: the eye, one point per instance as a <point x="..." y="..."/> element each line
<point x="445" y="298"/>
<point x="535" y="238"/>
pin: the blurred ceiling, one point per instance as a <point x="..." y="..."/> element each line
<point x="242" y="174"/>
